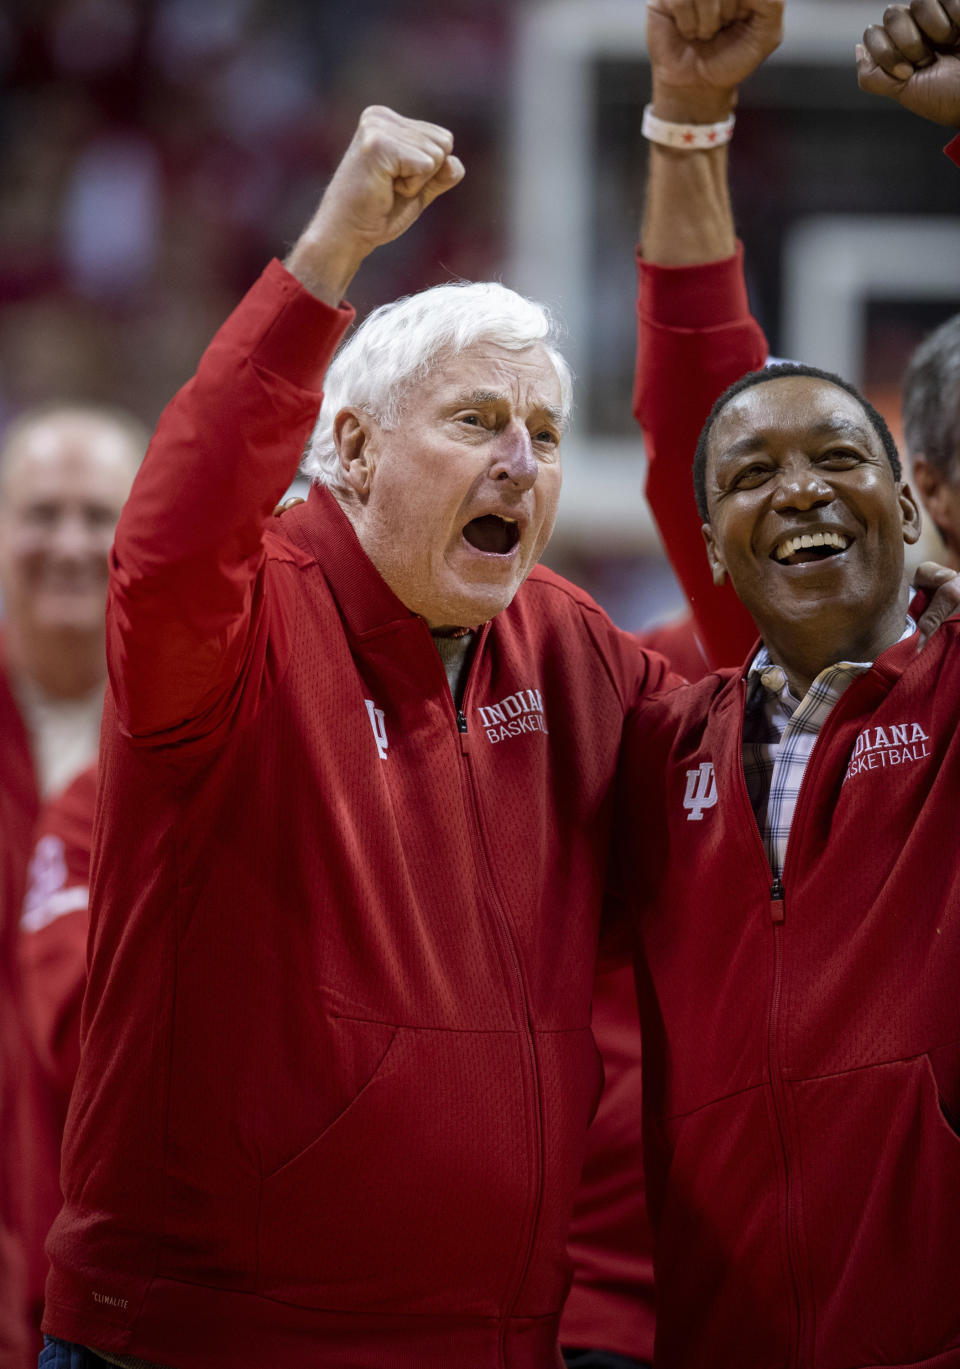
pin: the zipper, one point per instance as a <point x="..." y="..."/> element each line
<point x="520" y="1005"/>
<point x="776" y="902"/>
<point x="794" y="1233"/>
<point x="779" y="1099"/>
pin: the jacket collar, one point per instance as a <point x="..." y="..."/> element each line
<point x="367" y="603"/>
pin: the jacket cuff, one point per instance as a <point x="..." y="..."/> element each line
<point x="303" y="333"/>
<point x="704" y="296"/>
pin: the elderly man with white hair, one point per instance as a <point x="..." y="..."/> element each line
<point x="356" y="782"/>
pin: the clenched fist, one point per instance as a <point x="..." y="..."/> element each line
<point x="393" y="168"/>
<point x="913" y="57"/>
<point x="701" y="51"/>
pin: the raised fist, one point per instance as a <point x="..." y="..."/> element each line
<point x="701" y="51"/>
<point x="913" y="57"/>
<point x="393" y="168"/>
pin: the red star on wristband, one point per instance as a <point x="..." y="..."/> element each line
<point x="688" y="137"/>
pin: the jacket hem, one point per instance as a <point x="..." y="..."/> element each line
<point x="189" y="1326"/>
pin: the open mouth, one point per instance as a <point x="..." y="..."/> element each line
<point x="492" y="534"/>
<point x="810" y="546"/>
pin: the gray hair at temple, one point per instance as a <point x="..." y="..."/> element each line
<point x="398" y="344"/>
<point x="931" y="400"/>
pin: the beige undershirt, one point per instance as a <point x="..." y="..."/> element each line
<point x="64" y="733"/>
<point x="455" y="653"/>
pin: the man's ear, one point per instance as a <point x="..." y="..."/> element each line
<point x="910" y="512"/>
<point x="352" y="433"/>
<point x="717" y="567"/>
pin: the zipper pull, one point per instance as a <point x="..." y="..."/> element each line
<point x="776" y="900"/>
<point x="462" y="729"/>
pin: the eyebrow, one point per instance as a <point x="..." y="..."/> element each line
<point x="480" y="397"/>
<point x="827" y="427"/>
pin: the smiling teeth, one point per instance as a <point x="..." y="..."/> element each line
<point x="812" y="539"/>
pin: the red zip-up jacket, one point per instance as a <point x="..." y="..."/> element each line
<point x="336" y="1063"/>
<point x="802" y="1052"/>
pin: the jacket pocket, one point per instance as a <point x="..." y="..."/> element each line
<point x="945" y="1063"/>
<point x="723" y="1293"/>
<point x="362" y="1051"/>
<point x="880" y="1172"/>
<point x="408" y="1199"/>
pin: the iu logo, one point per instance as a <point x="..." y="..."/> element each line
<point x="701" y="791"/>
<point x="379" y="728"/>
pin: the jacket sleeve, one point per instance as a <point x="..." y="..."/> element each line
<point x="184" y="600"/>
<point x="695" y="336"/>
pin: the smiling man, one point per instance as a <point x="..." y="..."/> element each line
<point x="797" y="915"/>
<point x="797" y="906"/>
<point x="65" y="470"/>
<point x="337" y="1065"/>
<point x="818" y="505"/>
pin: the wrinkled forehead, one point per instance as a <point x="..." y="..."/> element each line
<point x="527" y="379"/>
<point x="798" y="409"/>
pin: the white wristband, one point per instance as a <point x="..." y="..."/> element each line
<point x="686" y="137"/>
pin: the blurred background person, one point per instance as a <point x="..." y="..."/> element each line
<point x="931" y="426"/>
<point x="65" y="471"/>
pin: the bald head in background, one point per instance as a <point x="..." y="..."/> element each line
<point x="65" y="473"/>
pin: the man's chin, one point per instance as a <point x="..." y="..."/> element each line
<point x="469" y="609"/>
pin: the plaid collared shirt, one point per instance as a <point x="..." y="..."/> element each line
<point x="779" y="733"/>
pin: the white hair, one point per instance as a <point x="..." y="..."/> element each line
<point x="398" y="343"/>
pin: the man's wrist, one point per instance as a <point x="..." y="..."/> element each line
<point x="686" y="137"/>
<point x="682" y="105"/>
<point x="324" y="268"/>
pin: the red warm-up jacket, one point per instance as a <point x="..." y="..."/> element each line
<point x="802" y="1054"/>
<point x="336" y="1063"/>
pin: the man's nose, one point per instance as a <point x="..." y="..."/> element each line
<point x="514" y="460"/>
<point x="801" y="485"/>
<point x="71" y="536"/>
